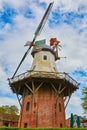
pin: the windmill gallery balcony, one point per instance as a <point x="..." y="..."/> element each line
<point x="58" y="77"/>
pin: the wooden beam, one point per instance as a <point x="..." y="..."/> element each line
<point x="33" y="89"/>
<point x="38" y="87"/>
<point x="68" y="101"/>
<point x="65" y="98"/>
<point x="53" y="87"/>
<point x="20" y="117"/>
<point x="59" y="92"/>
<point x="19" y="100"/>
<point x="33" y="86"/>
<point x="28" y="87"/>
<point x="62" y="90"/>
<point x="18" y="97"/>
<point x="59" y="87"/>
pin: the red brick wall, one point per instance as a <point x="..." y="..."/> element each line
<point x="68" y="123"/>
<point x="1" y="123"/>
<point x="10" y="123"/>
<point x="4" y="121"/>
<point x="44" y="109"/>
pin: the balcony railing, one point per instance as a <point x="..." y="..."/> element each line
<point x="44" y="74"/>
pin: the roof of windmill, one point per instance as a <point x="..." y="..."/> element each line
<point x="44" y="46"/>
<point x="40" y="48"/>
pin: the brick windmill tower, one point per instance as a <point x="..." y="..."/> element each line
<point x="43" y="92"/>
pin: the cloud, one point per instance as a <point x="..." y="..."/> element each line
<point x="74" y="106"/>
<point x="9" y="101"/>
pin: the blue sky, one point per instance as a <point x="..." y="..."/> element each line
<point x="67" y="22"/>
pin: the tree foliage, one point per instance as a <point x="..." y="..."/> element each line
<point x="78" y="121"/>
<point x="71" y="120"/>
<point x="9" y="110"/>
<point x="84" y="99"/>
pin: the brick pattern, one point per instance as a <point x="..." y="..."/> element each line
<point x="44" y="109"/>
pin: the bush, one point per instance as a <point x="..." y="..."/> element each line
<point x="8" y="128"/>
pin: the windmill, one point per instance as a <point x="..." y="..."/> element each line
<point x="43" y="92"/>
<point x="37" y="32"/>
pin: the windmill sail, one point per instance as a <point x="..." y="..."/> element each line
<point x="37" y="32"/>
<point x="21" y="61"/>
<point x="43" y="21"/>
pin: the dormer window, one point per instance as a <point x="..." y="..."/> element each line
<point x="45" y="57"/>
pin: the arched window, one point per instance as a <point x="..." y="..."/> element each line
<point x="59" y="107"/>
<point x="27" y="106"/>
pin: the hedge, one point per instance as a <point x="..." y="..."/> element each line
<point x="8" y="128"/>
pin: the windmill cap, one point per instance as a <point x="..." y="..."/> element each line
<point x="42" y="47"/>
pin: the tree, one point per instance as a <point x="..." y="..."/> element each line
<point x="9" y="110"/>
<point x="84" y="99"/>
<point x="78" y="121"/>
<point x="71" y="120"/>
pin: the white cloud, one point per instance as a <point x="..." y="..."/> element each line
<point x="74" y="106"/>
<point x="2" y="74"/>
<point x="11" y="101"/>
<point x="68" y="5"/>
<point x="15" y="4"/>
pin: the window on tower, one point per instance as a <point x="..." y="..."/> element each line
<point x="45" y="57"/>
<point x="27" y="106"/>
<point x="59" y="107"/>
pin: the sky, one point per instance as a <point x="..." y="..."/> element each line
<point x="67" y="22"/>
